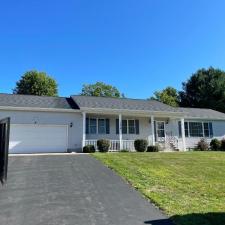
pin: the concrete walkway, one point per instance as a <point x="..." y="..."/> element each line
<point x="71" y="190"/>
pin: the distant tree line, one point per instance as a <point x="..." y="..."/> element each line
<point x="204" y="89"/>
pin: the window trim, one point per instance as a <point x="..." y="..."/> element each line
<point x="127" y="126"/>
<point x="164" y="128"/>
<point x="97" y="126"/>
<point x="203" y="130"/>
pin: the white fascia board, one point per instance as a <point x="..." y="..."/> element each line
<point x="35" y="109"/>
<point x="204" y="119"/>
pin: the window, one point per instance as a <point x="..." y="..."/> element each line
<point x="128" y="126"/>
<point x="160" y="129"/>
<point x="197" y="129"/>
<point x="101" y="126"/>
<point x="185" y="129"/>
<point x="206" y="129"/>
<point x="93" y="126"/>
<point x="131" y="124"/>
<point x="97" y="126"/>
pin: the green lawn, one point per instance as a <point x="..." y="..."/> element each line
<point x="189" y="187"/>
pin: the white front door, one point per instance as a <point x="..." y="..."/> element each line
<point x="33" y="138"/>
<point x="160" y="131"/>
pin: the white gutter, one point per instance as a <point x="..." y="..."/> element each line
<point x="36" y="109"/>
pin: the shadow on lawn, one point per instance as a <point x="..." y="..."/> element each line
<point x="192" y="219"/>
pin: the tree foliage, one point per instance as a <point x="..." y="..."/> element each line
<point x="100" y="89"/>
<point x="168" y="96"/>
<point x="36" y="83"/>
<point x="205" y="89"/>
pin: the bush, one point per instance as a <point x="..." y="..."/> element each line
<point x="124" y="150"/>
<point x="203" y="145"/>
<point x="140" y="145"/>
<point x="89" y="149"/>
<point x="103" y="145"/>
<point x="215" y="144"/>
<point x="223" y="145"/>
<point x="153" y="148"/>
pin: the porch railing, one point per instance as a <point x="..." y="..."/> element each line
<point x="114" y="145"/>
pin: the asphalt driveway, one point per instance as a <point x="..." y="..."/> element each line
<point x="71" y="190"/>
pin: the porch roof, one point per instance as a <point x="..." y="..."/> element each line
<point x="90" y="102"/>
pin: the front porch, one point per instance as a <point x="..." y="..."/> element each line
<point x="123" y="130"/>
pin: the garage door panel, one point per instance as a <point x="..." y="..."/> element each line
<point x="38" y="138"/>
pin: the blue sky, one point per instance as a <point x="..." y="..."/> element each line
<point x="137" y="45"/>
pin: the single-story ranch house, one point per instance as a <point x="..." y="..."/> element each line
<point x="58" y="124"/>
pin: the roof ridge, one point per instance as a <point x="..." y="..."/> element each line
<point x="44" y="96"/>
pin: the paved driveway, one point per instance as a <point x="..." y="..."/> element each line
<point x="70" y="190"/>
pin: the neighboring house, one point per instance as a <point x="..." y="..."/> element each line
<point x="57" y="124"/>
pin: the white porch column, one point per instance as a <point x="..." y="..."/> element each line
<point x="120" y="132"/>
<point x="183" y="134"/>
<point x="84" y="130"/>
<point x="153" y="130"/>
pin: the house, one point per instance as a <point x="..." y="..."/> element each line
<point x="59" y="124"/>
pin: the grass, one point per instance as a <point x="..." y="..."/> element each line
<point x="189" y="187"/>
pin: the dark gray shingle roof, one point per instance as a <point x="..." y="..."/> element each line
<point x="145" y="105"/>
<point x="121" y="104"/>
<point x="202" y="113"/>
<point x="33" y="101"/>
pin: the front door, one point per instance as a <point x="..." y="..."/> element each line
<point x="160" y="131"/>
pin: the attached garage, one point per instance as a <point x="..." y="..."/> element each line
<point x="36" y="138"/>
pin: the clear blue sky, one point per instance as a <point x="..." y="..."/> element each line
<point x="137" y="45"/>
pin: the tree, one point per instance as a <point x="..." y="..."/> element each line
<point x="36" y="83"/>
<point x="168" y="96"/>
<point x="205" y="89"/>
<point x="100" y="89"/>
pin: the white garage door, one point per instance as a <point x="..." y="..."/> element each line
<point x="38" y="138"/>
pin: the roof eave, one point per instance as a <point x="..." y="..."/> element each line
<point x="37" y="109"/>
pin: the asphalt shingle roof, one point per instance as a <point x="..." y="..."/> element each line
<point x="145" y="105"/>
<point x="202" y="113"/>
<point x="121" y="103"/>
<point x="33" y="101"/>
<point x="79" y="102"/>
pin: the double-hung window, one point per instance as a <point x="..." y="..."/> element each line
<point x="97" y="126"/>
<point x="93" y="126"/>
<point x="129" y="126"/>
<point x="101" y="126"/>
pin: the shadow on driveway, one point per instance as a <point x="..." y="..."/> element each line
<point x="192" y="219"/>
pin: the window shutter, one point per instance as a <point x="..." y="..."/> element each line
<point x="179" y="128"/>
<point x="210" y="130"/>
<point x="87" y="125"/>
<point x="117" y="126"/>
<point x="107" y="126"/>
<point x="137" y="126"/>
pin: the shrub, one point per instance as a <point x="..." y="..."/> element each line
<point x="124" y="150"/>
<point x="223" y="145"/>
<point x="103" y="145"/>
<point x="203" y="145"/>
<point x="89" y="149"/>
<point x="215" y="144"/>
<point x="153" y="148"/>
<point x="140" y="145"/>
